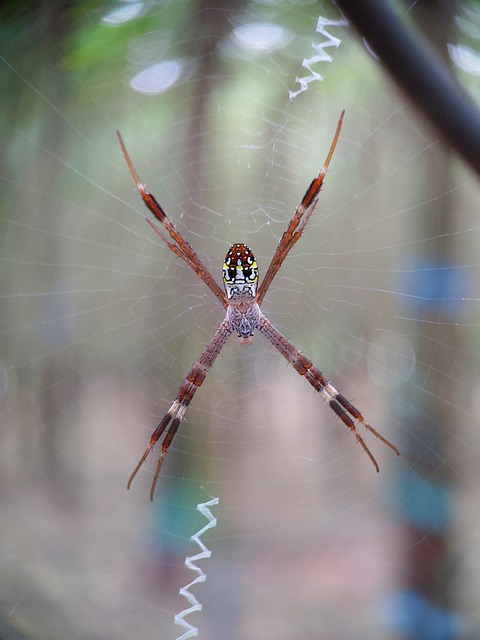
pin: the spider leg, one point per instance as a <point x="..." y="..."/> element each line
<point x="347" y="406"/>
<point x="347" y="413"/>
<point x="175" y="414"/>
<point x="179" y="246"/>
<point x="299" y="220"/>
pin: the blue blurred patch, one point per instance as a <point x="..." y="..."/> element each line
<point x="409" y="613"/>
<point x="428" y="285"/>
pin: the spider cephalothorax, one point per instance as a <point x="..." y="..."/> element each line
<point x="242" y="301"/>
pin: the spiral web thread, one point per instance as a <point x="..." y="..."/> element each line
<point x="190" y="562"/>
<point x="321" y="55"/>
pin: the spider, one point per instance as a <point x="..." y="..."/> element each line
<point x="242" y="301"/>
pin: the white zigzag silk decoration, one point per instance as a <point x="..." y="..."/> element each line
<point x="321" y="54"/>
<point x="190" y="630"/>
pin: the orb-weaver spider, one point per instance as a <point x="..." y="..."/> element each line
<point x="242" y="300"/>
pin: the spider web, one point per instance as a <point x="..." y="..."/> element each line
<point x="228" y="111"/>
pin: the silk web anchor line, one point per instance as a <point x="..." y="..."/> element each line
<point x="321" y="54"/>
<point x="191" y="631"/>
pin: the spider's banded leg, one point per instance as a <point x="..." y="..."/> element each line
<point x="180" y="247"/>
<point x="338" y="403"/>
<point x="299" y="220"/>
<point x="347" y="406"/>
<point x="175" y="414"/>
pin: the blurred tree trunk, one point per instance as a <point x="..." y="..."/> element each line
<point x="429" y="572"/>
<point x="36" y="46"/>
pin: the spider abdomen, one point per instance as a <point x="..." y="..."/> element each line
<point x="240" y="272"/>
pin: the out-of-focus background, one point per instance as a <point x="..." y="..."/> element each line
<point x="228" y="110"/>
